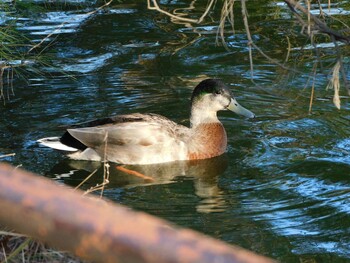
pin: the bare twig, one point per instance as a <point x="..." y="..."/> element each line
<point x="86" y="179"/>
<point x="249" y="37"/>
<point x="156" y="7"/>
<point x="312" y="97"/>
<point x="226" y="14"/>
<point x="288" y="50"/>
<point x="17" y="250"/>
<point x="106" y="167"/>
<point x="7" y="155"/>
<point x="312" y="89"/>
<point x="12" y="234"/>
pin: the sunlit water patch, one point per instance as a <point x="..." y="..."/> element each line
<point x="53" y="23"/>
<point x="330" y="11"/>
<point x="89" y="64"/>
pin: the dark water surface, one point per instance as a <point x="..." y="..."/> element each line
<point x="282" y="189"/>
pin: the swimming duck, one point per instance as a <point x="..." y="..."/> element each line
<point x="151" y="138"/>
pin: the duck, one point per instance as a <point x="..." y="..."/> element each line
<point x="149" y="138"/>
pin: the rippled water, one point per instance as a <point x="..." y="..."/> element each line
<point x="282" y="189"/>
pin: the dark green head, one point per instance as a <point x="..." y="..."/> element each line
<point x="210" y="86"/>
<point x="214" y="95"/>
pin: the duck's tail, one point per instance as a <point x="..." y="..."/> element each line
<point x="55" y="143"/>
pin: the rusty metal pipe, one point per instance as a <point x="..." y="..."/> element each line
<point x="100" y="231"/>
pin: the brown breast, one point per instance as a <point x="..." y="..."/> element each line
<point x="208" y="140"/>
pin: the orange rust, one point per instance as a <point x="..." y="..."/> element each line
<point x="102" y="231"/>
<point x="132" y="172"/>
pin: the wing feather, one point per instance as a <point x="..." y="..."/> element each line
<point x="132" y="129"/>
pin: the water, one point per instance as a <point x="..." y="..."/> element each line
<point x="282" y="189"/>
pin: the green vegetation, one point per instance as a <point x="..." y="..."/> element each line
<point x="18" y="248"/>
<point x="19" y="54"/>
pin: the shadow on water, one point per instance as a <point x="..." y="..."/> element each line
<point x="203" y="173"/>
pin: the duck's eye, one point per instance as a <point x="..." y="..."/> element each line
<point x="217" y="92"/>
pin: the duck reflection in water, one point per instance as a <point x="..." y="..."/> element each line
<point x="203" y="173"/>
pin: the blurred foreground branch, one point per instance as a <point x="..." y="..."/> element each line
<point x="100" y="231"/>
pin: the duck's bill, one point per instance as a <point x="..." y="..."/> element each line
<point x="236" y="108"/>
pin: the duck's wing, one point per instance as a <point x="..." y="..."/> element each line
<point x="132" y="129"/>
<point x="74" y="142"/>
<point x="110" y="120"/>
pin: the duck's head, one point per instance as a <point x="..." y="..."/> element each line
<point x="213" y="95"/>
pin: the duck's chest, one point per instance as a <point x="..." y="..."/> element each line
<point x="208" y="140"/>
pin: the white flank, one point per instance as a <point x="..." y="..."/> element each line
<point x="54" y="142"/>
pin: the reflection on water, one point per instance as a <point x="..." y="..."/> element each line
<point x="203" y="173"/>
<point x="282" y="189"/>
